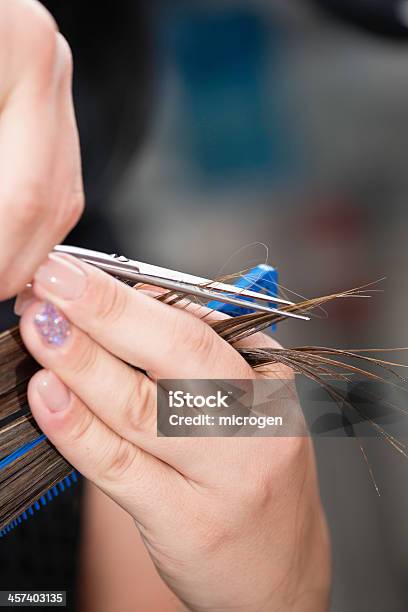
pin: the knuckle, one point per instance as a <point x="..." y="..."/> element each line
<point x="278" y="371"/>
<point x="271" y="469"/>
<point x="81" y="427"/>
<point x="74" y="210"/>
<point x="78" y="203"/>
<point x="33" y="13"/>
<point x="32" y="43"/>
<point x="40" y="30"/>
<point x="64" y="56"/>
<point x="255" y="492"/>
<point x="138" y="408"/>
<point x="29" y="204"/>
<point x="294" y="453"/>
<point x="211" y="533"/>
<point x="111" y="301"/>
<point x="120" y="458"/>
<point x="84" y="358"/>
<point x="197" y="337"/>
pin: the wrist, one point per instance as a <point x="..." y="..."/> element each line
<point x="309" y="588"/>
<point x="304" y="584"/>
<point x="305" y="574"/>
<point x="306" y="587"/>
<point x="294" y="573"/>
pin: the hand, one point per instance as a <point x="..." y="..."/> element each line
<point x="231" y="523"/>
<point x="41" y="194"/>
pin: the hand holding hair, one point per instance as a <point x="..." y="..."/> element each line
<point x="41" y="194"/>
<point x="231" y="523"/>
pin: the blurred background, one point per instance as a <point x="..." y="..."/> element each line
<point x="286" y="123"/>
<point x="221" y="134"/>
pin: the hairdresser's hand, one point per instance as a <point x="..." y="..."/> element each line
<point x="231" y="523"/>
<point x="40" y="177"/>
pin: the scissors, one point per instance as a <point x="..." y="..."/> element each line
<point x="180" y="282"/>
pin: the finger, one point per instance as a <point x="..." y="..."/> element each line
<point x="67" y="172"/>
<point x="211" y="316"/>
<point x="38" y="196"/>
<point x="119" y="395"/>
<point x="130" y="476"/>
<point x="257" y="340"/>
<point x="165" y="341"/>
<point x="122" y="398"/>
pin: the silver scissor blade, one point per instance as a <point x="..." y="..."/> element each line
<point x="210" y="294"/>
<point x="123" y="267"/>
<point x="197" y="280"/>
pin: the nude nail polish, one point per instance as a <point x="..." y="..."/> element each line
<point x="55" y="395"/>
<point x="61" y="277"/>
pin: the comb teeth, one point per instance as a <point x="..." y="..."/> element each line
<point x="53" y="492"/>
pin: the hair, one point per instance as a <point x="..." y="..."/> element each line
<point x="24" y="478"/>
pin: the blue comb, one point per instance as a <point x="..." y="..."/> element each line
<point x="262" y="278"/>
<point x="46" y="497"/>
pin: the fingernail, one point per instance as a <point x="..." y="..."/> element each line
<point x="51" y="324"/>
<point x="61" y="277"/>
<point x="23" y="300"/>
<point x="55" y="395"/>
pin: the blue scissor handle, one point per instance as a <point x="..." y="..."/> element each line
<point x="262" y="278"/>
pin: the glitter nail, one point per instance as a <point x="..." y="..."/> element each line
<point x="52" y="325"/>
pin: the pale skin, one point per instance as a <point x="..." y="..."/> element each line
<point x="41" y="193"/>
<point x="230" y="523"/>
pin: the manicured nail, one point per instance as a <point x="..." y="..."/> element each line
<point x="52" y="326"/>
<point x="55" y="395"/>
<point x="23" y="300"/>
<point x="61" y="277"/>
